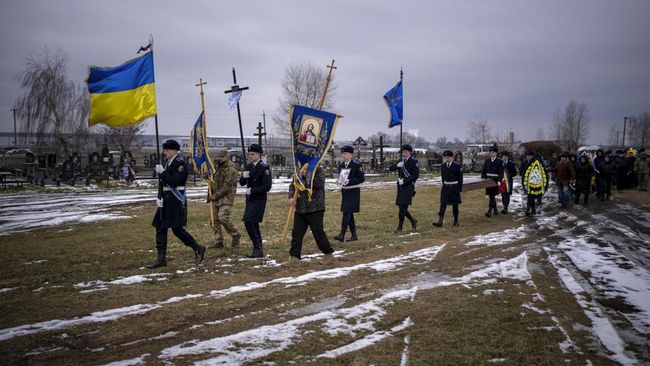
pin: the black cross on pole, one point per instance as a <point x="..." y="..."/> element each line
<point x="381" y="147"/>
<point x="233" y="89"/>
<point x="259" y="133"/>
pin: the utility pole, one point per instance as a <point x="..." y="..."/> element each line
<point x="624" y="126"/>
<point x="13" y="109"/>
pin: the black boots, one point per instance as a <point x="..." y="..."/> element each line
<point x="505" y="210"/>
<point x="398" y="230"/>
<point x="455" y="221"/>
<point x="161" y="261"/>
<point x="353" y="232"/>
<point x="235" y="240"/>
<point x="414" y="223"/>
<point x="199" y="254"/>
<point x="489" y="212"/>
<point x="257" y="252"/>
<point x="341" y="236"/>
<point x="439" y="223"/>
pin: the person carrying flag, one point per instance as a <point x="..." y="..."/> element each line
<point x="409" y="172"/>
<point x="172" y="205"/>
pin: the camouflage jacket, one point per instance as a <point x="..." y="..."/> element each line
<point x="642" y="166"/>
<point x="224" y="185"/>
<point x="317" y="203"/>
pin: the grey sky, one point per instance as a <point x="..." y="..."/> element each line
<point x="512" y="62"/>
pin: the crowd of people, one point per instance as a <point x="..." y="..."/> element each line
<point x="577" y="176"/>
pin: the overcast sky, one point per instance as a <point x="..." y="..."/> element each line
<point x="512" y="62"/>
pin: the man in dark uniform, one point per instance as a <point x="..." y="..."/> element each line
<point x="452" y="184"/>
<point x="409" y="171"/>
<point x="172" y="205"/>
<point x="493" y="169"/>
<point x="509" y="172"/>
<point x="350" y="177"/>
<point x="310" y="213"/>
<point x="257" y="179"/>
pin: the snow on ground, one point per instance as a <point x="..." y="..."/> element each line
<point x="499" y="237"/>
<point x="601" y="325"/>
<point x="102" y="285"/>
<point x="20" y="212"/>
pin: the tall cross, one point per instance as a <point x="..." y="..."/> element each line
<point x="381" y="147"/>
<point x="233" y="89"/>
<point x="200" y="85"/>
<point x="327" y="84"/>
<point x="259" y="133"/>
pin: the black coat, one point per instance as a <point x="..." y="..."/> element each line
<point x="351" y="197"/>
<point x="174" y="212"/>
<point x="259" y="182"/>
<point x="410" y="172"/>
<point x="317" y="203"/>
<point x="452" y="184"/>
<point x="584" y="172"/>
<point x="511" y="171"/>
<point x="492" y="170"/>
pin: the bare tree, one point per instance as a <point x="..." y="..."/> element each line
<point x="478" y="130"/>
<point x="615" y="133"/>
<point x="640" y="130"/>
<point x="540" y="135"/>
<point x="125" y="138"/>
<point x="393" y="140"/>
<point x="303" y="84"/>
<point x="52" y="103"/>
<point x="572" y="126"/>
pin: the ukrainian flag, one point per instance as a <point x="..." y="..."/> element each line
<point x="122" y="95"/>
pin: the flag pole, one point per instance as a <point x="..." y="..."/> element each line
<point x="207" y="155"/>
<point x="401" y="77"/>
<point x="292" y="208"/>
<point x="155" y="118"/>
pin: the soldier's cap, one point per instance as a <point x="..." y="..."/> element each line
<point x="564" y="155"/>
<point x="347" y="149"/>
<point x="529" y="153"/>
<point x="505" y="153"/>
<point x="494" y="148"/>
<point x="448" y="153"/>
<point x="171" y="145"/>
<point x="255" y="148"/>
<point x="407" y="147"/>
<point x="222" y="154"/>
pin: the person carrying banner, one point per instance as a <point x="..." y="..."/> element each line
<point x="257" y="179"/>
<point x="505" y="187"/>
<point x="452" y="184"/>
<point x="351" y="175"/>
<point x="492" y="169"/>
<point x="309" y="213"/>
<point x="223" y="188"/>
<point x="172" y="205"/>
<point x="409" y="172"/>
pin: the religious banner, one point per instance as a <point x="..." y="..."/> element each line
<point x="312" y="131"/>
<point x="199" y="149"/>
<point x="535" y="178"/>
<point x="393" y="99"/>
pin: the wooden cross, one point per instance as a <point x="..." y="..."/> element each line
<point x="200" y="85"/>
<point x="381" y="147"/>
<point x="259" y="133"/>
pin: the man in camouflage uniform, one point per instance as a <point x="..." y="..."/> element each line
<point x="222" y="195"/>
<point x="642" y="169"/>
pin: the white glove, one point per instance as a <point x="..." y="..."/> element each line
<point x="159" y="202"/>
<point x="400" y="164"/>
<point x="400" y="181"/>
<point x="248" y="191"/>
<point x="159" y="168"/>
<point x="246" y="174"/>
<point x="347" y="181"/>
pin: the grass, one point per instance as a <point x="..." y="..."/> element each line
<point x="452" y="325"/>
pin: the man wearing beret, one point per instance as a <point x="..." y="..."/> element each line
<point x="257" y="179"/>
<point x="350" y="177"/>
<point x="452" y="184"/>
<point x="409" y="172"/>
<point x="492" y="169"/>
<point x="223" y="188"/>
<point x="172" y="205"/>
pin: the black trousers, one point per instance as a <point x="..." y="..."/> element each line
<point x="493" y="200"/>
<point x="253" y="230"/>
<point x="180" y="232"/>
<point x="404" y="212"/>
<point x="313" y="221"/>
<point x="443" y="208"/>
<point x="348" y="221"/>
<point x="505" y="199"/>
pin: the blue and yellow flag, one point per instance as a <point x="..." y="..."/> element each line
<point x="199" y="149"/>
<point x="122" y="95"/>
<point x="393" y="99"/>
<point x="312" y="131"/>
